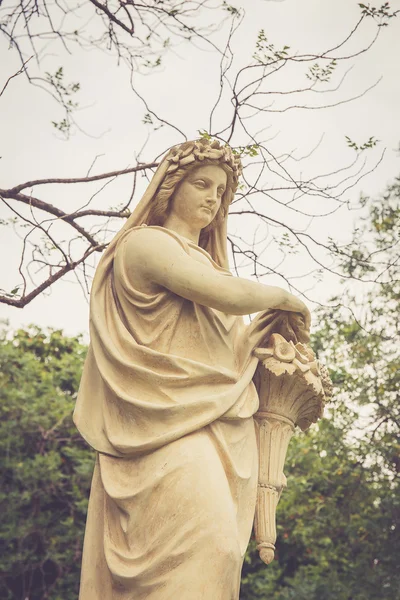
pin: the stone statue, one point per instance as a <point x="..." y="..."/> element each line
<point x="167" y="396"/>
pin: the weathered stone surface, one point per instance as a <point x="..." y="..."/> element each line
<point x="167" y="395"/>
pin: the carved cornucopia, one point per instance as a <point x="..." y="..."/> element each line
<point x="292" y="387"/>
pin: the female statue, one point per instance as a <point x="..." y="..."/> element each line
<point x="167" y="398"/>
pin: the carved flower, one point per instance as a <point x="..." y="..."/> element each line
<point x="285" y="351"/>
<point x="326" y="382"/>
<point x="203" y="149"/>
<point x="172" y="167"/>
<point x="186" y="149"/>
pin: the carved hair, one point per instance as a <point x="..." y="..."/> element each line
<point x="161" y="204"/>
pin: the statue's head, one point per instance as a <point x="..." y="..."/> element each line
<point x="188" y="159"/>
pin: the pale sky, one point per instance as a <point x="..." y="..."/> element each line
<point x="183" y="92"/>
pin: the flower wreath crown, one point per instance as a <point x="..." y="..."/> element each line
<point x="202" y="149"/>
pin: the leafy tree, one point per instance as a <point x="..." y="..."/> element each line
<point x="45" y="466"/>
<point x="339" y="519"/>
<point x="338" y="526"/>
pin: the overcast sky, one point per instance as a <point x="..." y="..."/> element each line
<point x="183" y="92"/>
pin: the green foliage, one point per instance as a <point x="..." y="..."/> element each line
<point x="147" y="119"/>
<point x="287" y="244"/>
<point x="232" y="10"/>
<point x="62" y="92"/>
<point x="382" y="14"/>
<point x="337" y="526"/>
<point x="45" y="467"/>
<point x="203" y="133"/>
<point x="339" y="519"/>
<point x="251" y="150"/>
<point x="266" y="53"/>
<point x="12" y="293"/>
<point x="370" y="143"/>
<point x="153" y="63"/>
<point x="323" y="74"/>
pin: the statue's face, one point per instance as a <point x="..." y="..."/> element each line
<point x="198" y="197"/>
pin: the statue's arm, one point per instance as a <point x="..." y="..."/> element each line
<point x="158" y="258"/>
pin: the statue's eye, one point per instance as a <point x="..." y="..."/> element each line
<point x="200" y="183"/>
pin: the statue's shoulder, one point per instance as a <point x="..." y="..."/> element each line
<point x="148" y="240"/>
<point x="148" y="254"/>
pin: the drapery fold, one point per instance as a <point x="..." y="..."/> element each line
<point x="166" y="399"/>
<point x="134" y="398"/>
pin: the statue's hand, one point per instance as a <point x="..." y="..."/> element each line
<point x="303" y="320"/>
<point x="299" y="310"/>
<point x="300" y="326"/>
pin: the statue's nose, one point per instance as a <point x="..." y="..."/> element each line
<point x="212" y="198"/>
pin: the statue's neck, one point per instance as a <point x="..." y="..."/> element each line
<point x="182" y="228"/>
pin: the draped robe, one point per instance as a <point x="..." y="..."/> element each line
<point x="167" y="401"/>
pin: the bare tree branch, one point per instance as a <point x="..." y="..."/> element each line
<point x="21" y="70"/>
<point x="21" y="302"/>
<point x="109" y="175"/>
<point x="138" y="34"/>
